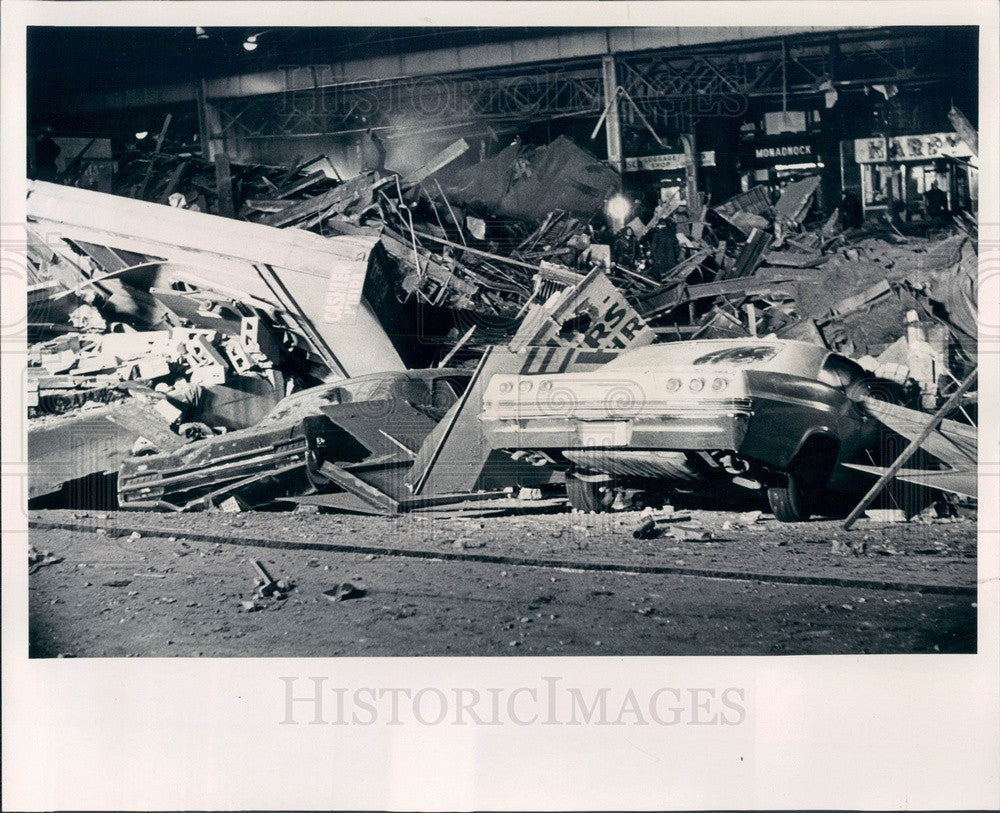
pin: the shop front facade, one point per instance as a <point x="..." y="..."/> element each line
<point x="906" y="172"/>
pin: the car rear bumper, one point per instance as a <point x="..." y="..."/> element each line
<point x="691" y="427"/>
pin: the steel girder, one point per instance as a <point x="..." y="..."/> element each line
<point x="670" y="88"/>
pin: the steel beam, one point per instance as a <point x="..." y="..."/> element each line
<point x="612" y="121"/>
<point x="560" y="48"/>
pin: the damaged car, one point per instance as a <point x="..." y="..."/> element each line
<point x="357" y="434"/>
<point x="774" y="416"/>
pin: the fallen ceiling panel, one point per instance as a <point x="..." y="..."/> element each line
<point x="320" y="277"/>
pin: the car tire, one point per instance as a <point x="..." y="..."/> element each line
<point x="788" y="502"/>
<point x="587" y="496"/>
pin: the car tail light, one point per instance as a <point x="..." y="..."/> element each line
<point x="697" y="384"/>
<point x="524" y="386"/>
<point x="506" y="387"/>
<point x="720" y="384"/>
<point x="673" y="384"/>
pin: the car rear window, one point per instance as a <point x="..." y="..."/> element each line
<point x="686" y="354"/>
<point x="736" y="356"/>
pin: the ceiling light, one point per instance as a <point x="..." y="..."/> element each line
<point x="200" y="33"/>
<point x="141" y="135"/>
<point x="250" y="43"/>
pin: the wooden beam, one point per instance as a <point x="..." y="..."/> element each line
<point x="336" y="199"/>
<point x="439" y="161"/>
<point x="224" y="186"/>
<point x="152" y="158"/>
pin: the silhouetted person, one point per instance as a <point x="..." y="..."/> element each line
<point x="373" y="153"/>
<point x="851" y="212"/>
<point x="937" y="202"/>
<point x="46" y="153"/>
<point x="624" y="248"/>
<point x="664" y="248"/>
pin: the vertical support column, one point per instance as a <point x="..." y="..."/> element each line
<point x="691" y="166"/>
<point x="612" y="124"/>
<point x="209" y="124"/>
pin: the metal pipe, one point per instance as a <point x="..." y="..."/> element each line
<point x="911" y="449"/>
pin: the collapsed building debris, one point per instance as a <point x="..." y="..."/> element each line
<point x="226" y="322"/>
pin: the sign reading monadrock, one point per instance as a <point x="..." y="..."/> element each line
<point x="786" y="151"/>
<point x="911" y="148"/>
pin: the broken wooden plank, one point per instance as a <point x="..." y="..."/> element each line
<point x="337" y="199"/>
<point x="750" y="256"/>
<point x="439" y="161"/>
<point x="795" y="259"/>
<point x="152" y="158"/>
<point x="869" y="296"/>
<point x="738" y="287"/>
<point x="224" y="186"/>
<point x="753" y="202"/>
<point x="269" y="205"/>
<point x="302" y="184"/>
<point x="175" y="179"/>
<point x="359" y="488"/>
<point x="795" y="199"/>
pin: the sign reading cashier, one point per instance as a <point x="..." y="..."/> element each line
<point x="911" y="148"/>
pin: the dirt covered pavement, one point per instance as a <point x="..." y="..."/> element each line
<point x="708" y="583"/>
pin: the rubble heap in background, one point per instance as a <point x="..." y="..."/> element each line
<point x="261" y="281"/>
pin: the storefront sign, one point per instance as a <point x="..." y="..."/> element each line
<point x="911" y="148"/>
<point x="788" y="151"/>
<point x="766" y="153"/>
<point x="666" y="161"/>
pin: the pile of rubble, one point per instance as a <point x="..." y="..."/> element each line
<point x="202" y="294"/>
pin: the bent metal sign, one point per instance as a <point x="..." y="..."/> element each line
<point x="911" y="148"/>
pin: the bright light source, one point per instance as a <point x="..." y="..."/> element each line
<point x="250" y="44"/>
<point x="200" y="33"/>
<point x="141" y="136"/>
<point x="618" y="209"/>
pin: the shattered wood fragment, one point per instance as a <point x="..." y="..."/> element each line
<point x="337" y="199"/>
<point x="793" y="259"/>
<point x="869" y="296"/>
<point x="804" y="330"/>
<point x="439" y="161"/>
<point x="224" y="186"/>
<point x="750" y="255"/>
<point x="795" y="199"/>
<point x="299" y="186"/>
<point x="175" y="179"/>
<point x="753" y="202"/>
<point x="718" y="324"/>
<point x="741" y="287"/>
